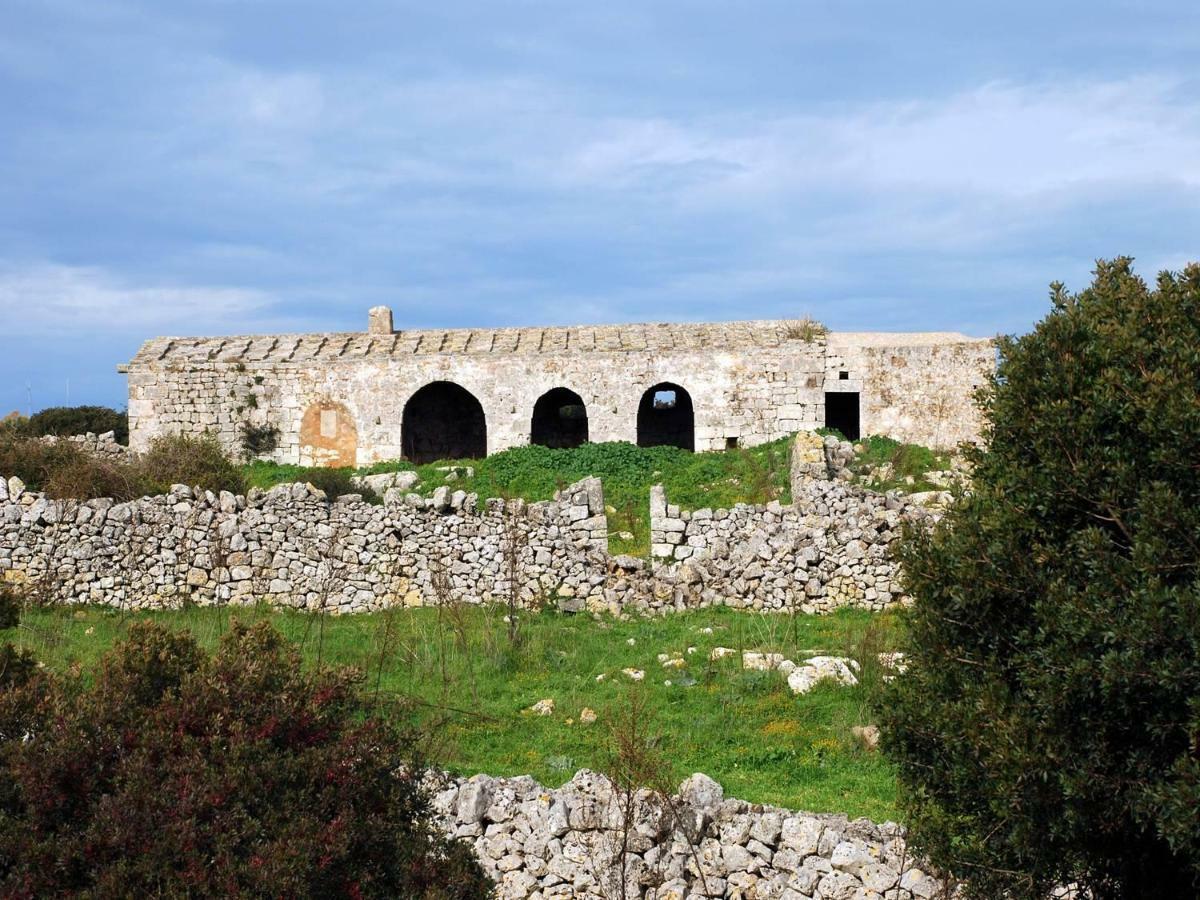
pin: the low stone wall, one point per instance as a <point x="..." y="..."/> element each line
<point x="831" y="547"/>
<point x="104" y="445"/>
<point x="567" y="843"/>
<point x="291" y="547"/>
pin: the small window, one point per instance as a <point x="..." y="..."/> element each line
<point x="664" y="399"/>
<point x="731" y="443"/>
<point x="843" y="376"/>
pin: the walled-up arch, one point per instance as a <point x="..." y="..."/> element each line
<point x="559" y="419"/>
<point x="328" y="435"/>
<point x="443" y="421"/>
<point x="666" y="417"/>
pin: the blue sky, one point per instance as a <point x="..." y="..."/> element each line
<point x="239" y="166"/>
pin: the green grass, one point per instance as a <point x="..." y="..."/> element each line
<point x="471" y="689"/>
<point x="693" y="480"/>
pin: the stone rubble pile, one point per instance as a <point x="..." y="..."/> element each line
<point x="567" y="843"/>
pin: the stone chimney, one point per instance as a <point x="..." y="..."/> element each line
<point x="379" y="320"/>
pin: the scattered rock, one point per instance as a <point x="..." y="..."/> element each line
<point x="543" y="707"/>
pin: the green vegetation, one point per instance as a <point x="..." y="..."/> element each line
<point x="473" y="687"/>
<point x="172" y="772"/>
<point x="64" y="471"/>
<point x="693" y="480"/>
<point x="66" y="421"/>
<point x="1048" y="729"/>
<point x="899" y="462"/>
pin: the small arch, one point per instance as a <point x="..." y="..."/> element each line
<point x="443" y="421"/>
<point x="328" y="436"/>
<point x="666" y="418"/>
<point x="559" y="419"/>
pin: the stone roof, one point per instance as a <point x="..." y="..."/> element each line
<point x="638" y="338"/>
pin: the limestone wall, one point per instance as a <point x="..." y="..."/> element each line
<point x="573" y="842"/>
<point x="748" y="394"/>
<point x="833" y="548"/>
<point x="339" y="399"/>
<point x="915" y="387"/>
<point x="291" y="547"/>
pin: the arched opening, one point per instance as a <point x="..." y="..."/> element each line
<point x="665" y="418"/>
<point x="559" y="420"/>
<point x="328" y="436"/>
<point x="443" y="421"/>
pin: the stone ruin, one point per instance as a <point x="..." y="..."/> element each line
<point x="351" y="399"/>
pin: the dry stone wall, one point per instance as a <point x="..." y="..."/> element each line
<point x="587" y="840"/>
<point x="289" y="546"/>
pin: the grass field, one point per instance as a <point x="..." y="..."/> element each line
<point x="471" y="687"/>
<point x="693" y="480"/>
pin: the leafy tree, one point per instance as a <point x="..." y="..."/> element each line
<point x="179" y="774"/>
<point x="1048" y="729"/>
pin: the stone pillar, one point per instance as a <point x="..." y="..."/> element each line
<point x="379" y="320"/>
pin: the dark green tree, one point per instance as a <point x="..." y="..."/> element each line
<point x="1048" y="729"/>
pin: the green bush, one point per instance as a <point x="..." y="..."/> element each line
<point x="180" y="459"/>
<point x="1048" y="728"/>
<point x="259" y="440"/>
<point x="33" y="461"/>
<point x="10" y="607"/>
<point x="174" y="774"/>
<point x="66" y="421"/>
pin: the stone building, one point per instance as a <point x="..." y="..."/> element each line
<point x="357" y="398"/>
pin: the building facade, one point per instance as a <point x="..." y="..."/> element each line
<point x="358" y="398"/>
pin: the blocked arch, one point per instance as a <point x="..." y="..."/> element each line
<point x="328" y="435"/>
<point x="660" y="424"/>
<point x="443" y="420"/>
<point x="559" y="419"/>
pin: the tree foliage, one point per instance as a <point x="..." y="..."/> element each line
<point x="1048" y="729"/>
<point x="66" y="421"/>
<point x="179" y="774"/>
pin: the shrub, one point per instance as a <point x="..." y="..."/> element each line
<point x="33" y="461"/>
<point x="239" y="774"/>
<point x="84" y="477"/>
<point x="1048" y="729"/>
<point x="10" y="607"/>
<point x="259" y="440"/>
<point x="71" y="420"/>
<point x="180" y="459"/>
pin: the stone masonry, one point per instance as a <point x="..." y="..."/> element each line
<point x="588" y="839"/>
<point x="341" y="399"/>
<point x="291" y="547"/>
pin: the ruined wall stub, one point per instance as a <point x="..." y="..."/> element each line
<point x="749" y="382"/>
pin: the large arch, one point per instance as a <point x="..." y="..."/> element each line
<point x="443" y="421"/>
<point x="559" y="419"/>
<point x="666" y="417"/>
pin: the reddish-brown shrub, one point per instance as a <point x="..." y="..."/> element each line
<point x="174" y="773"/>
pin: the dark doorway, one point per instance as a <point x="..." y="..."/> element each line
<point x="443" y="421"/>
<point x="665" y="418"/>
<point x="559" y="420"/>
<point x="841" y="412"/>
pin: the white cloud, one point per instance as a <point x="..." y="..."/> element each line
<point x="41" y="298"/>
<point x="997" y="139"/>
